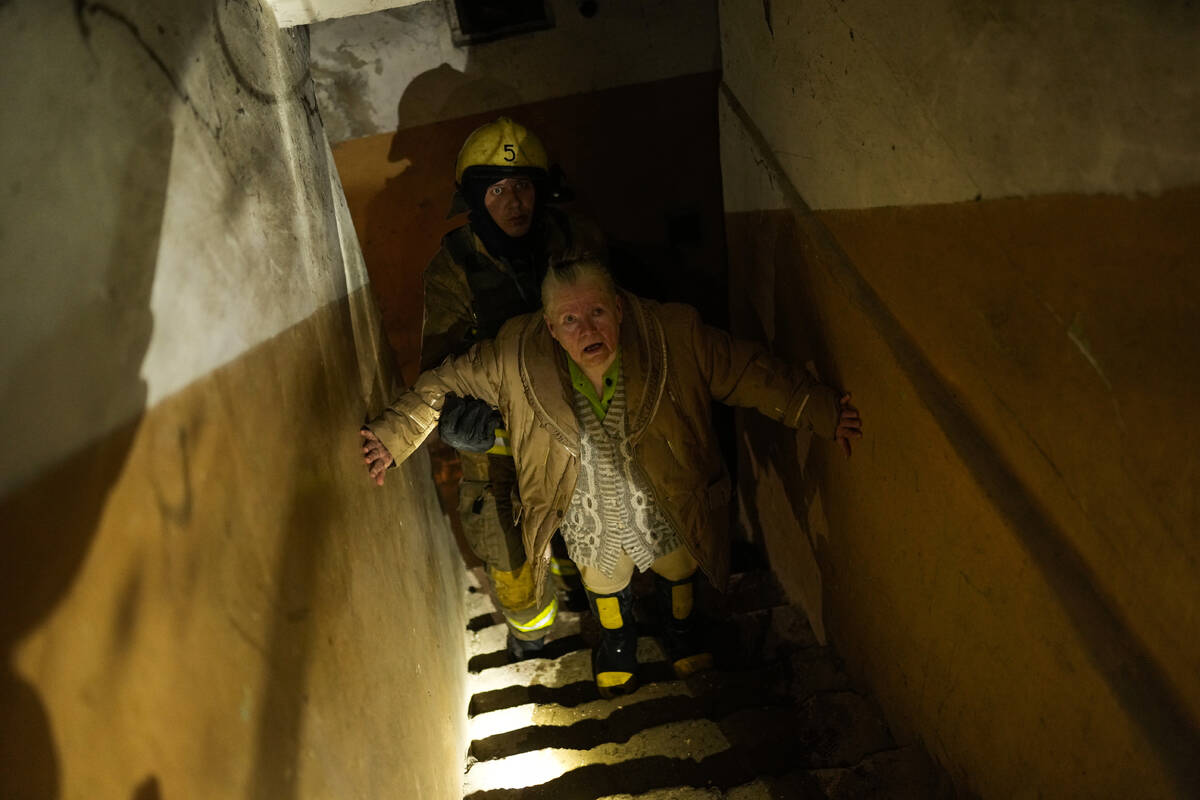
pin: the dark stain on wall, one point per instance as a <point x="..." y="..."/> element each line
<point x="148" y="790"/>
<point x="284" y="705"/>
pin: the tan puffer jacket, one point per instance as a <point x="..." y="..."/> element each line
<point x="673" y="365"/>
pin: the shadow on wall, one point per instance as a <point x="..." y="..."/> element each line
<point x="285" y="702"/>
<point x="433" y="94"/>
<point x="792" y="459"/>
<point x="45" y="543"/>
<point x="148" y="789"/>
<point x="439" y="93"/>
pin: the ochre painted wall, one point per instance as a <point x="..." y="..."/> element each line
<point x="981" y="221"/>
<point x="1015" y="576"/>
<point x="214" y="601"/>
<point x="201" y="594"/>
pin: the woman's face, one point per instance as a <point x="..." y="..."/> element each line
<point x="585" y="318"/>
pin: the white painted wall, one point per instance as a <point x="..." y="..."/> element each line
<point x="303" y="12"/>
<point x="398" y="69"/>
<point x="167" y="203"/>
<point x="873" y="104"/>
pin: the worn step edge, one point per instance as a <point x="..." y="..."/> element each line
<point x="673" y="793"/>
<point x="561" y="670"/>
<point x="477" y="602"/>
<point x="503" y="720"/>
<point x="689" y="740"/>
<point x="568" y="694"/>
<point x="723" y="769"/>
<point x="494" y="638"/>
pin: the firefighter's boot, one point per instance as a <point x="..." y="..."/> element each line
<point x="614" y="664"/>
<point x="527" y="629"/>
<point x="682" y="637"/>
<point x="521" y="649"/>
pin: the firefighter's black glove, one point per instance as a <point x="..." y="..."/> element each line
<point x="468" y="424"/>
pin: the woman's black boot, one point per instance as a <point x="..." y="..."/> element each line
<point x="614" y="663"/>
<point x="682" y="637"/>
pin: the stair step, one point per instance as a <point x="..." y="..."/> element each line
<point x="762" y="790"/>
<point x="478" y="601"/>
<point x="815" y="672"/>
<point x="747" y="591"/>
<point x="488" y="647"/>
<point x="484" y="620"/>
<point x="796" y="785"/>
<point x="691" y="740"/>
<point x="672" y="793"/>
<point x="558" y="671"/>
<point x="570" y="694"/>
<point x="835" y="729"/>
<point x="554" y="715"/>
<point x="553" y="649"/>
<point x="764" y="634"/>
<point x="620" y="725"/>
<point x="721" y="692"/>
<point x="776" y="719"/>
<point x="904" y="773"/>
<point x="778" y="636"/>
<point x="637" y="776"/>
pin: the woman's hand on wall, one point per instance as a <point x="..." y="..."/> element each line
<point x="375" y="455"/>
<point x="849" y="424"/>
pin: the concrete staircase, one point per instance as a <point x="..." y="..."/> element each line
<point x="777" y="718"/>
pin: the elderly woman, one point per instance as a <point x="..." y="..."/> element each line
<point x="607" y="397"/>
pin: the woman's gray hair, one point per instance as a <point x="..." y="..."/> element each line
<point x="569" y="269"/>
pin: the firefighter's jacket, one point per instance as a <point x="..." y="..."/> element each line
<point x="674" y="367"/>
<point x="470" y="293"/>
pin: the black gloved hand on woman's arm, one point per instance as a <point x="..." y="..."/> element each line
<point x="468" y="424"/>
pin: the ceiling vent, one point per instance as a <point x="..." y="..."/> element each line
<point x="476" y="21"/>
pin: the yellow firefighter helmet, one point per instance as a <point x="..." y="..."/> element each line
<point x="502" y="144"/>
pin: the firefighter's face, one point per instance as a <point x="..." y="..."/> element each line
<point x="585" y="318"/>
<point x="510" y="204"/>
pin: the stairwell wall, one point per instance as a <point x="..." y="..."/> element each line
<point x="980" y="220"/>
<point x="202" y="595"/>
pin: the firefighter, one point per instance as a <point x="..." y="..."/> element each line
<point x="486" y="272"/>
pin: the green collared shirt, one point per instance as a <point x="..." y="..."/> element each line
<point x="584" y="386"/>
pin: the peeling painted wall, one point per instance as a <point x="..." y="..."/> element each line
<point x="305" y="12"/>
<point x="398" y="69"/>
<point x="869" y="104"/>
<point x="202" y="595"/>
<point x="980" y="220"/>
